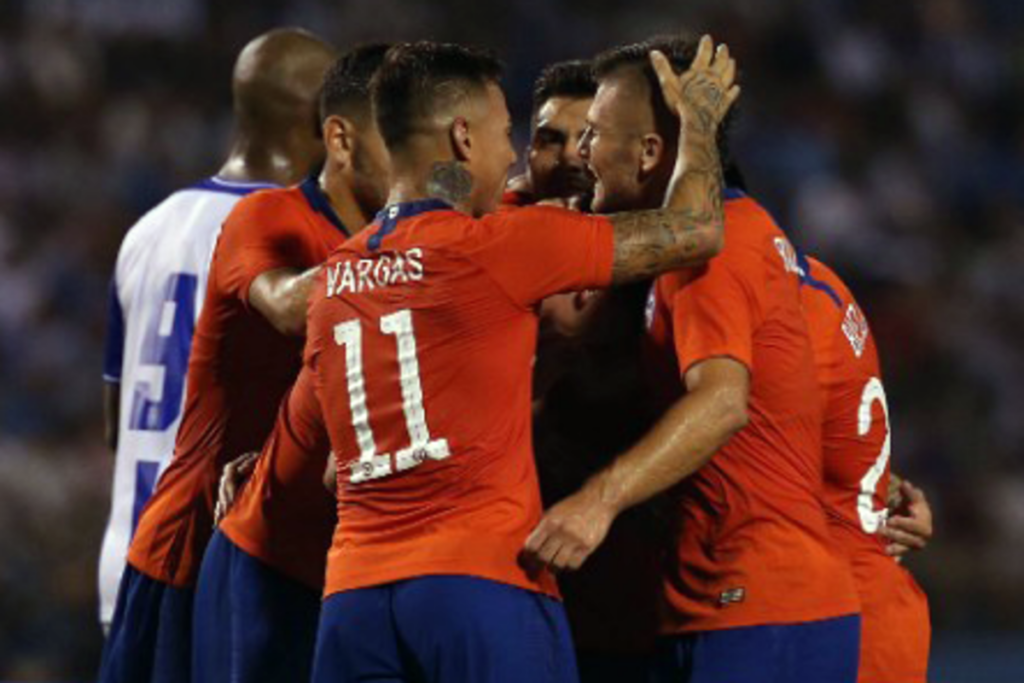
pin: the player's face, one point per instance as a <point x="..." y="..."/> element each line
<point x="554" y="163"/>
<point x="611" y="146"/>
<point x="493" y="155"/>
<point x="371" y="165"/>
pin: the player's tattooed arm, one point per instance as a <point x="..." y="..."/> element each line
<point x="688" y="230"/>
<point x="450" y="181"/>
<point x="280" y="295"/>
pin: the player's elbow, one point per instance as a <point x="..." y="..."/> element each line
<point x="733" y="414"/>
<point x="290" y="324"/>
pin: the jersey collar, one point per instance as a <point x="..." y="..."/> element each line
<point x="389" y="216"/>
<point x="235" y="187"/>
<point x="320" y="203"/>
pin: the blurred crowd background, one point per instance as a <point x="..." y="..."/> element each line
<point x="886" y="136"/>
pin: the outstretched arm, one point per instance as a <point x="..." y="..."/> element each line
<point x="280" y="295"/>
<point x="714" y="408"/>
<point x="687" y="231"/>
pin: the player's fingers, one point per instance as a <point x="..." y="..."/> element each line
<point x="897" y="551"/>
<point x="666" y="75"/>
<point x="911" y="525"/>
<point x="729" y="74"/>
<point x="721" y="60"/>
<point x="561" y="559"/>
<point x="537" y="538"/>
<point x="732" y="95"/>
<point x="705" y="50"/>
<point x="912" y="493"/>
<point x="577" y="559"/>
<point x="902" y="537"/>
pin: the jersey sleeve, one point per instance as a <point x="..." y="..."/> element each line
<point x="303" y="417"/>
<point x="113" y="351"/>
<point x="714" y="313"/>
<point x="536" y="251"/>
<point x="259" y="235"/>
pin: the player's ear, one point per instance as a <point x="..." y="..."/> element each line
<point x="339" y="138"/>
<point x="652" y="153"/>
<point x="462" y="142"/>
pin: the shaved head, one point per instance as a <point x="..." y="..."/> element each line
<point x="277" y="78"/>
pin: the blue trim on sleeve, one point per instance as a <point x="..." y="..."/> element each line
<point x="733" y="193"/>
<point x="215" y="184"/>
<point x="389" y="216"/>
<point x="807" y="279"/>
<point x="113" y="351"/>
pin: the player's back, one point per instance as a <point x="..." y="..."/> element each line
<point x="156" y="296"/>
<point x="753" y="542"/>
<point x="856" y="448"/>
<point x="424" y="332"/>
<point x="239" y="369"/>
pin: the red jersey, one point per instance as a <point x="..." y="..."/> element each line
<point x="753" y="545"/>
<point x="423" y="331"/>
<point x="284" y="516"/>
<point x="239" y="369"/>
<point x="895" y="628"/>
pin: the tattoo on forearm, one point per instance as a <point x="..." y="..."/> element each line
<point x="450" y="181"/>
<point x="647" y="240"/>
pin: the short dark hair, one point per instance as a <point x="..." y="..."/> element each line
<point x="418" y="78"/>
<point x="346" y="86"/>
<point x="574" y="78"/>
<point x="680" y="51"/>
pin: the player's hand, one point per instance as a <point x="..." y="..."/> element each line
<point x="703" y="94"/>
<point x="569" y="532"/>
<point x="910" y="525"/>
<point x="235" y="474"/>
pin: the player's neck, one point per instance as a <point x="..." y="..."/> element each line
<point x="343" y="200"/>
<point x="419" y="181"/>
<point x="266" y="164"/>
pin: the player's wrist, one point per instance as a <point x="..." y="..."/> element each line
<point x="608" y="492"/>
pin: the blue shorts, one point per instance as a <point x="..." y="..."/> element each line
<point x="820" y="651"/>
<point x="251" y="624"/>
<point x="443" y="629"/>
<point x="150" y="639"/>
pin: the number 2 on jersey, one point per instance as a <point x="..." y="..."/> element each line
<point x="870" y="518"/>
<point x="371" y="464"/>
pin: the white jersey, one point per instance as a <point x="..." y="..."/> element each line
<point x="156" y="293"/>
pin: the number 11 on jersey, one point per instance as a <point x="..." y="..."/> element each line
<point x="371" y="464"/>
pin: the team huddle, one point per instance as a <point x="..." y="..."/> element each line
<point x="383" y="414"/>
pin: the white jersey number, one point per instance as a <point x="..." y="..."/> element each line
<point x="371" y="464"/>
<point x="870" y="518"/>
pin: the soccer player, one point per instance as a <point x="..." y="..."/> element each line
<point x="422" y="330"/>
<point x="258" y="595"/>
<point x="554" y="169"/>
<point x="160" y="279"/>
<point x="895" y="627"/>
<point x="754" y="588"/>
<point x="240" y="365"/>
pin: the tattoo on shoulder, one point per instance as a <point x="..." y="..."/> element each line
<point x="450" y="181"/>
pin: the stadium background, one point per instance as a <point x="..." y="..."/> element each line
<point x="886" y="136"/>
